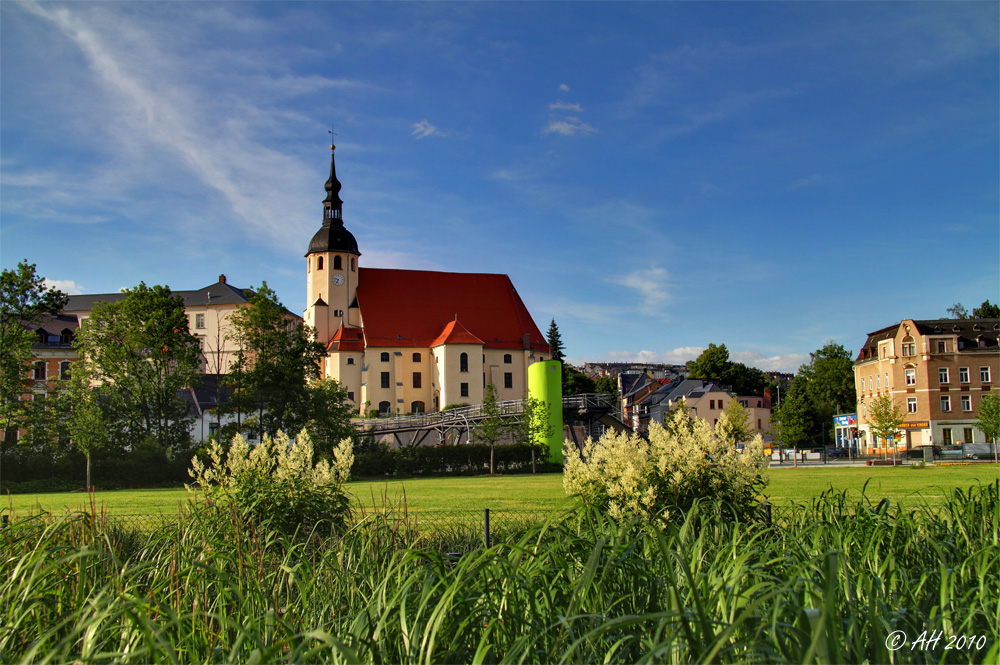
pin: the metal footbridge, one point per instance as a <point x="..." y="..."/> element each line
<point x="593" y="411"/>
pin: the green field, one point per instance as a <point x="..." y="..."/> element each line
<point x="545" y="492"/>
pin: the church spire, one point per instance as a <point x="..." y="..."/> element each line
<point x="332" y="205"/>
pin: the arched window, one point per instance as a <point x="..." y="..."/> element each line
<point x="319" y="263"/>
<point x="352" y="264"/>
<point x="337" y="264"/>
<point x="507" y="359"/>
<point x="350" y="361"/>
<point x="64" y="369"/>
<point x="40" y="370"/>
<point x="66" y="337"/>
<point x="384" y="408"/>
<point x="463" y="362"/>
<point x="416" y="357"/>
<point x="417" y="407"/>
<point x="385" y="356"/>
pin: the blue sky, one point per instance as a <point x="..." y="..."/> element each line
<point x="653" y="176"/>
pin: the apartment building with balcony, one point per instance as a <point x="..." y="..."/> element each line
<point x="936" y="371"/>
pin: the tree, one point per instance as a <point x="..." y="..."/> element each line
<point x="606" y="385"/>
<point x="793" y="420"/>
<point x="24" y="301"/>
<point x="492" y="427"/>
<point x="714" y="363"/>
<point x="736" y="425"/>
<point x="88" y="426"/>
<point x="829" y="384"/>
<point x="555" y="342"/>
<point x="277" y="356"/>
<point x="884" y="417"/>
<point x="576" y="382"/>
<point x="958" y="311"/>
<point x="140" y="349"/>
<point x="986" y="311"/>
<point x="329" y="415"/>
<point x="989" y="419"/>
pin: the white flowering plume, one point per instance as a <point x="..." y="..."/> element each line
<point x="686" y="460"/>
<point x="280" y="460"/>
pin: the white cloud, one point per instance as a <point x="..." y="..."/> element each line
<point x="785" y="362"/>
<point x="423" y="129"/>
<point x="677" y="356"/>
<point x="651" y="286"/>
<point x="563" y="87"/>
<point x="162" y="103"/>
<point x="67" y="286"/>
<point x="568" y="127"/>
<point x="565" y="106"/>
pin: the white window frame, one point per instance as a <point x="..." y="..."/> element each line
<point x="911" y="376"/>
<point x="944" y="376"/>
<point x="984" y="374"/>
<point x="963" y="375"/>
<point x="911" y="404"/>
<point x="199" y="321"/>
<point x="945" y="403"/>
<point x="966" y="403"/>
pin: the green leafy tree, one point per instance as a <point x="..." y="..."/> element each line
<point x="606" y="385"/>
<point x="576" y="382"/>
<point x="884" y="417"/>
<point x="88" y="425"/>
<point x="555" y="342"/>
<point x="329" y="415"/>
<point x="736" y="426"/>
<point x="493" y="426"/>
<point x="793" y="420"/>
<point x="25" y="301"/>
<point x="829" y="385"/>
<point x="277" y="356"/>
<point x="988" y="420"/>
<point x="958" y="311"/>
<point x="139" y="348"/>
<point x="534" y="426"/>
<point x="714" y="363"/>
<point x="986" y="311"/>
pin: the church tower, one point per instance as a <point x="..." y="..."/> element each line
<point x="331" y="266"/>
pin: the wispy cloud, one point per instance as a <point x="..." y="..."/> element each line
<point x="783" y="362"/>
<point x="67" y="286"/>
<point x="563" y="87"/>
<point x="423" y="129"/>
<point x="677" y="356"/>
<point x="651" y="287"/>
<point x="157" y="102"/>
<point x="568" y="127"/>
<point x="565" y="106"/>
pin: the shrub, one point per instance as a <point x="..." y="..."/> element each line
<point x="686" y="460"/>
<point x="276" y="482"/>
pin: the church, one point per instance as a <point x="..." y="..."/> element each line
<point x="413" y="341"/>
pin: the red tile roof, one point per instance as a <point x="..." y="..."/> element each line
<point x="347" y="339"/>
<point x="411" y="308"/>
<point x="455" y="333"/>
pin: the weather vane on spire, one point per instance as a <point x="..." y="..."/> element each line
<point x="332" y="134"/>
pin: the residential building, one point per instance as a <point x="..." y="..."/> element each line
<point x="411" y="341"/>
<point x="704" y="398"/>
<point x="936" y="372"/>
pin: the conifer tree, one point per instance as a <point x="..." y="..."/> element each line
<point x="555" y="342"/>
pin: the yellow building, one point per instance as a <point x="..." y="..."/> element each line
<point x="935" y="371"/>
<point x="412" y="341"/>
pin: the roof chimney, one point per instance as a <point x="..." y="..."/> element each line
<point x="222" y="279"/>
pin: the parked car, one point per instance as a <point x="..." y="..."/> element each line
<point x="978" y="451"/>
<point x="953" y="451"/>
<point x="918" y="452"/>
<point x="835" y="452"/>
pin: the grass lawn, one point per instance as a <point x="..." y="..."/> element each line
<point x="545" y="492"/>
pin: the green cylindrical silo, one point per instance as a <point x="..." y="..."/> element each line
<point x="545" y="385"/>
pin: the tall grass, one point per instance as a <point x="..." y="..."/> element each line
<point x="827" y="582"/>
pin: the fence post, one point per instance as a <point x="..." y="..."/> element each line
<point x="486" y="526"/>
<point x="767" y="514"/>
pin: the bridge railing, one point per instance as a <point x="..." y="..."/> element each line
<point x="463" y="416"/>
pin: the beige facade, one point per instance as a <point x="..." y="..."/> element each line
<point x="936" y="372"/>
